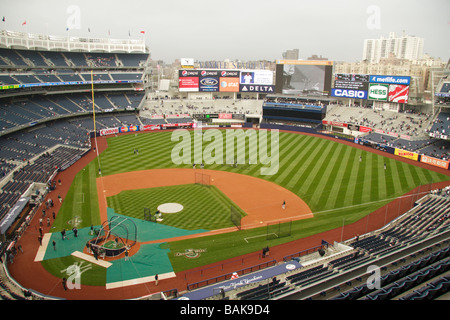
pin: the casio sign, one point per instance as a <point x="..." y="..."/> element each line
<point x="358" y="94"/>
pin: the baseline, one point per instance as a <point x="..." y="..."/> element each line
<point x="91" y="259"/>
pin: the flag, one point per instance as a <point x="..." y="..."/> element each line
<point x="143" y="32"/>
<point x="3" y="19"/>
<point x="89" y="29"/>
<point x="24" y="23"/>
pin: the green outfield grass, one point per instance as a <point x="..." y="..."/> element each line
<point x="327" y="175"/>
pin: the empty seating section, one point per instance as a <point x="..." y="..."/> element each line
<point x="40" y="67"/>
<point x="264" y="291"/>
<point x="309" y="275"/>
<point x="38" y="171"/>
<point x="408" y="282"/>
<point x="45" y="59"/>
<point x="15" y="113"/>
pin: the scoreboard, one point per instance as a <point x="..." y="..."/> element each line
<point x="258" y="81"/>
<point x="372" y="87"/>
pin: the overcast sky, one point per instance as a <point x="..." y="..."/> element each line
<point x="239" y="29"/>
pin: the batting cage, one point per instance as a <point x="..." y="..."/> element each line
<point x="278" y="230"/>
<point x="114" y="237"/>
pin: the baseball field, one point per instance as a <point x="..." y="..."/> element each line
<point x="338" y="183"/>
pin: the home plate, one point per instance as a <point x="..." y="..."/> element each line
<point x="170" y="208"/>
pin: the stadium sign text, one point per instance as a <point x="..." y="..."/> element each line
<point x="378" y="92"/>
<point x="358" y="94"/>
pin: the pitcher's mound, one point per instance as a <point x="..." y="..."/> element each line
<point x="170" y="208"/>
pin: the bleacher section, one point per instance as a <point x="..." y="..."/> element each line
<point x="441" y="126"/>
<point x="410" y="124"/>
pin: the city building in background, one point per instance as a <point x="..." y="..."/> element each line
<point x="401" y="47"/>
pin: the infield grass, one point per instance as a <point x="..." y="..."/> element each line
<point x="204" y="207"/>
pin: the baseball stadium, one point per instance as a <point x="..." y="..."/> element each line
<point x="119" y="184"/>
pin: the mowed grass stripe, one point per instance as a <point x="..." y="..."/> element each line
<point x="329" y="189"/>
<point x="307" y="162"/>
<point x="367" y="180"/>
<point x="355" y="171"/>
<point x="346" y="178"/>
<point x="316" y="174"/>
<point x="289" y="156"/>
<point x="295" y="168"/>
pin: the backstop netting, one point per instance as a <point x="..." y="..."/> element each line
<point x="114" y="237"/>
<point x="278" y="230"/>
<point x="203" y="179"/>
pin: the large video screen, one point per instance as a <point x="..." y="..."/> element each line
<point x="304" y="77"/>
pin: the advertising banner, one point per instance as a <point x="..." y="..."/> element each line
<point x="351" y="77"/>
<point x="364" y="129"/>
<point x="398" y="93"/>
<point x="230" y="74"/>
<point x="334" y="123"/>
<point x="209" y="84"/>
<point x="174" y="125"/>
<point x="354" y="85"/>
<point x="256" y="88"/>
<point x="188" y="84"/>
<point x="435" y="162"/>
<point x="378" y="92"/>
<point x="406" y="154"/>
<point x="188" y="80"/>
<point x="390" y="79"/>
<point x="349" y="93"/>
<point x="128" y="129"/>
<point x="149" y="127"/>
<point x="105" y="132"/>
<point x="229" y="84"/>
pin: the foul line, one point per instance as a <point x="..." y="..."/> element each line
<point x="43" y="248"/>
<point x="91" y="259"/>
